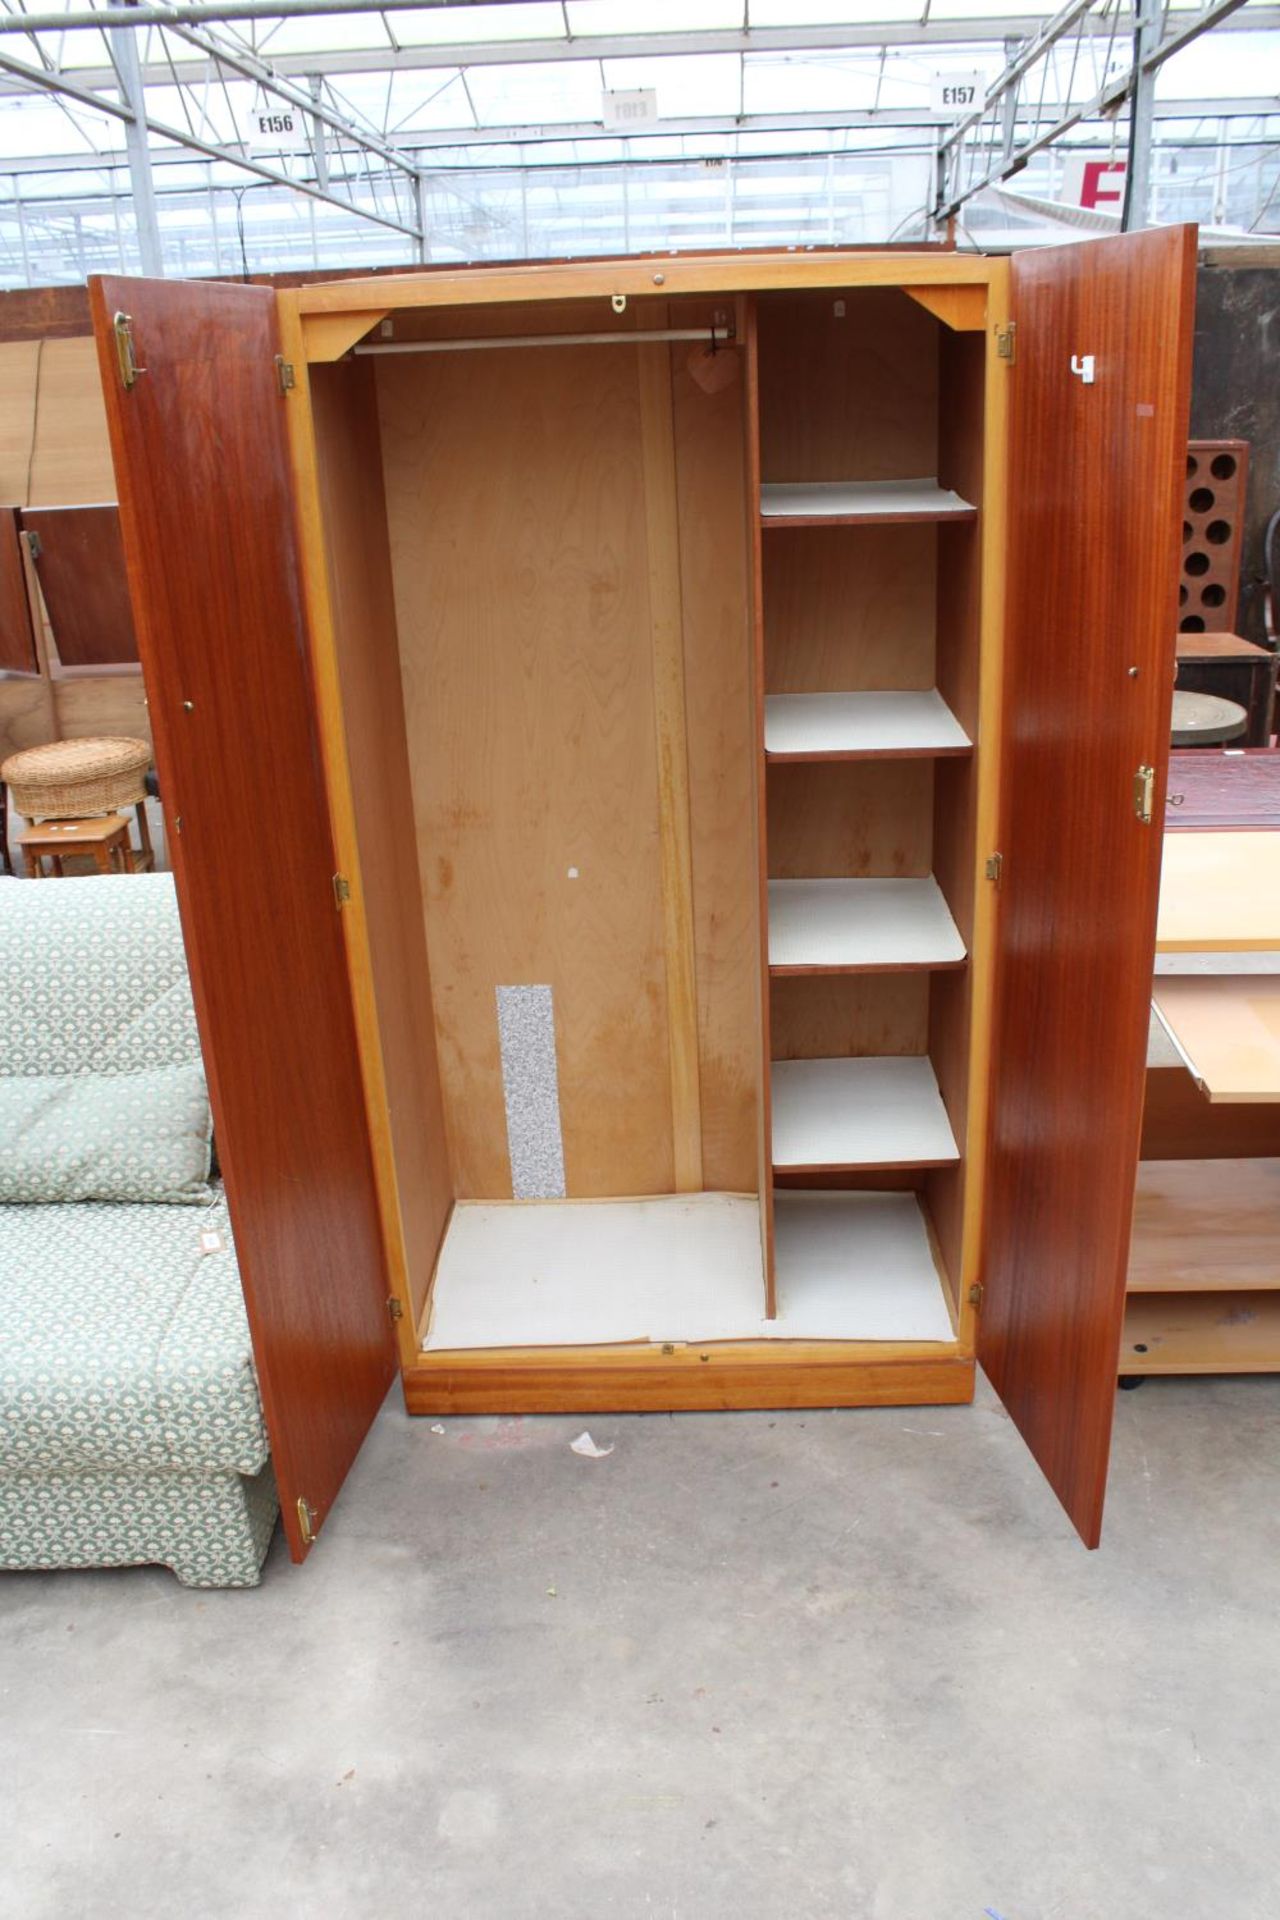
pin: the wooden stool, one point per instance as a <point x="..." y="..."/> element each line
<point x="72" y="779"/>
<point x="1206" y="720"/>
<point x="106" y="841"/>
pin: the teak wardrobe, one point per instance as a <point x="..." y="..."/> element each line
<point x="661" y="757"/>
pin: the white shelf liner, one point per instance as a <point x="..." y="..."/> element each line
<point x="852" y="499"/>
<point x="869" y="1112"/>
<point x="861" y="923"/>
<point x="681" y="1268"/>
<point x="869" y="723"/>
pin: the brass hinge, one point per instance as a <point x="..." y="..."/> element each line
<point x="1007" y="342"/>
<point x="1144" y="789"/>
<point x="341" y="890"/>
<point x="284" y="374"/>
<point x="395" y="1308"/>
<point x="975" y="1294"/>
<point x="306" y="1521"/>
<point x="33" y="545"/>
<point x="126" y="353"/>
<point x="995" y="867"/>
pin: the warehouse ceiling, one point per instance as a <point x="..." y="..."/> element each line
<point x="310" y="133"/>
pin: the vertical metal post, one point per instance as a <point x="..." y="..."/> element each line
<point x="1137" y="198"/>
<point x="124" y="55"/>
<point x="1009" y="105"/>
<point x="420" y="200"/>
<point x="318" y="148"/>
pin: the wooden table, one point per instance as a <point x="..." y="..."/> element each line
<point x="1229" y="650"/>
<point x="105" y="841"/>
<point x="1238" y="788"/>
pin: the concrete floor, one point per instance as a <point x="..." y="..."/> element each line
<point x="749" y="1665"/>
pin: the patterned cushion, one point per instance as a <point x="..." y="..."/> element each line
<point x="105" y="1136"/>
<point x="123" y="1343"/>
<point x="95" y="977"/>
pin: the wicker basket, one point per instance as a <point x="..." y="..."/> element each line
<point x="69" y="779"/>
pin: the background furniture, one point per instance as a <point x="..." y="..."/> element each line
<point x="1208" y="597"/>
<point x="1205" y="719"/>
<point x="1229" y="651"/>
<point x="553" y="604"/>
<point x="1204" y="1267"/>
<point x="73" y="779"/>
<point x="79" y="563"/>
<point x="130" y="1424"/>
<point x="105" y="840"/>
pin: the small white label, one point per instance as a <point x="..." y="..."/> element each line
<point x="273" y="125"/>
<point x="955" y="94"/>
<point x="211" y="1241"/>
<point x="634" y="107"/>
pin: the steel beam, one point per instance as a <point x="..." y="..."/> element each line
<point x="124" y="52"/>
<point x="57" y="83"/>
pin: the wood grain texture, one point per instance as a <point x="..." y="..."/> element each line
<point x="1220" y="892"/>
<point x="71" y="456"/>
<point x="1201" y="1333"/>
<point x="707" y="1379"/>
<point x="1094" y="516"/>
<point x="821" y="1018"/>
<point x="847" y="398"/>
<point x="518" y="539"/>
<point x="735" y="271"/>
<point x="214" y="579"/>
<point x="1228" y="1032"/>
<point x="19" y="366"/>
<point x="859" y="820"/>
<point x="17" y="634"/>
<point x="361" y="622"/>
<point x="1221" y="791"/>
<point x="671" y="746"/>
<point x="1178" y="1123"/>
<point x="1199" y="1228"/>
<point x="715" y="560"/>
<point x="850" y="609"/>
<point x="81" y="572"/>
<point x="962" y="308"/>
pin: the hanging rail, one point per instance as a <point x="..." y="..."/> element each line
<point x="710" y="336"/>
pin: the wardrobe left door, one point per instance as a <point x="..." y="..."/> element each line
<point x="196" y="405"/>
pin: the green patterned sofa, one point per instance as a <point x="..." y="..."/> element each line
<point x="130" y="1425"/>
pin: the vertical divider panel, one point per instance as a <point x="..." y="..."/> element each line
<point x="752" y="504"/>
<point x="355" y="922"/>
<point x="666" y="618"/>
<point x="991" y="534"/>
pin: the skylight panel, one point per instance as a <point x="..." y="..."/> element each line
<point x="455" y="26"/>
<point x="687" y="85"/>
<point x="532" y="94"/>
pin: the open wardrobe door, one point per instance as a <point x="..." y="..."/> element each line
<point x="1099" y="402"/>
<point x="196" y="412"/>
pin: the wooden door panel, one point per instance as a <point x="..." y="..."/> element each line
<point x="80" y="567"/>
<point x="1094" y="515"/>
<point x="206" y="513"/>
<point x="17" y="640"/>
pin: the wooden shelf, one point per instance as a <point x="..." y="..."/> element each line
<point x="1227" y="1032"/>
<point x="860" y="926"/>
<point x="858" y="1261"/>
<point x="830" y="1116"/>
<point x="824" y="503"/>
<point x="1219" y="892"/>
<point x="1201" y="1333"/>
<point x="1202" y="1226"/>
<point x="861" y="726"/>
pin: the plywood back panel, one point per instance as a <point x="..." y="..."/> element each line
<point x="720" y="718"/>
<point x="864" y="819"/>
<point x="71" y="462"/>
<point x="517" y="519"/>
<point x="847" y="398"/>
<point x="349" y="462"/>
<point x="817" y="1017"/>
<point x="850" y="609"/>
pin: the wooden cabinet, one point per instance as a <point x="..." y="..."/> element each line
<point x="651" y="752"/>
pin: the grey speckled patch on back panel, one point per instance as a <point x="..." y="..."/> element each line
<point x="531" y="1092"/>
